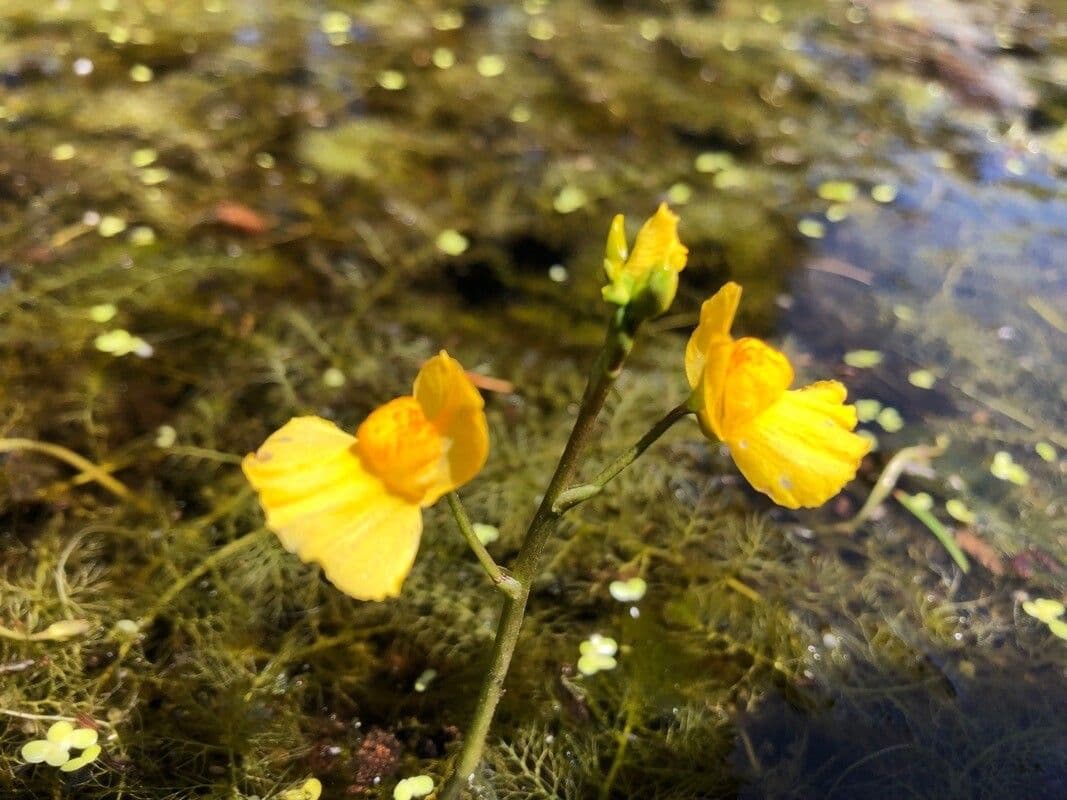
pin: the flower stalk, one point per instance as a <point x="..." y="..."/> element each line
<point x="501" y="580"/>
<point x="353" y="504"/>
<point x="608" y="365"/>
<point x="579" y="494"/>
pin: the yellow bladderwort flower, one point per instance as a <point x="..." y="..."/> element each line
<point x="646" y="279"/>
<point x="797" y="446"/>
<point x="353" y="504"/>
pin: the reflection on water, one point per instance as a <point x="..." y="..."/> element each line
<point x="217" y="214"/>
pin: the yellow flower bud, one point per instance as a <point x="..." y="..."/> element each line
<point x="644" y="280"/>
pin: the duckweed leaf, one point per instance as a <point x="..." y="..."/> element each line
<point x="863" y="359"/>
<point x="1045" y="609"/>
<point x="628" y="591"/>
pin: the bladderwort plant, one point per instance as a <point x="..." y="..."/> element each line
<point x="353" y="503"/>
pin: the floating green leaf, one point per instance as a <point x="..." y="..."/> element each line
<point x="452" y="242"/>
<point x="628" y="591"/>
<point x="922" y="378"/>
<point x="958" y="510"/>
<point x="838" y="191"/>
<point x="1045" y="451"/>
<point x="1044" y="608"/>
<point x="890" y="420"/>
<point x="863" y="359"/>
<point x="867" y="409"/>
<point x="811" y="228"/>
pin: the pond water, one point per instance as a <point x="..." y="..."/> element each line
<point x="218" y="214"/>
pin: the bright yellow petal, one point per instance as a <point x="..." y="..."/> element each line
<point x="366" y="550"/>
<point x="455" y="408"/>
<point x="755" y="379"/>
<point x="328" y="509"/>
<point x="657" y="245"/>
<point x="399" y="445"/>
<point x="716" y="318"/>
<point x="801" y="451"/>
<point x="709" y="392"/>
<point x="616" y="249"/>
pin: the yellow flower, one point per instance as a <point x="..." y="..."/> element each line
<point x="647" y="278"/>
<point x="797" y="446"/>
<point x="353" y="504"/>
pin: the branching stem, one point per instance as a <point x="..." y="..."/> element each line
<point x="579" y="494"/>
<point x="501" y="580"/>
<point x="87" y="467"/>
<point x="608" y="365"/>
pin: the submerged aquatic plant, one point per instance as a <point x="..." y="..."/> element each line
<point x="54" y="749"/>
<point x="353" y="503"/>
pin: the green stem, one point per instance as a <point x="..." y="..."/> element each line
<point x="620" y="752"/>
<point x="199" y="571"/>
<point x="87" y="467"/>
<point x="501" y="580"/>
<point x="579" y="494"/>
<point x="935" y="527"/>
<point x="606" y="369"/>
<point x="176" y="588"/>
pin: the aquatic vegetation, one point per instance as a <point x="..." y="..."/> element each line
<point x="597" y="654"/>
<point x="353" y="504"/>
<point x="54" y="749"/>
<point x="628" y="591"/>
<point x="409" y="788"/>
<point x="311" y="789"/>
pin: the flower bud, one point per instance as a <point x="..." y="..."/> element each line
<point x="645" y="280"/>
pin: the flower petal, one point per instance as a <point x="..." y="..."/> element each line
<point x="399" y="445"/>
<point x="755" y="379"/>
<point x="325" y="507"/>
<point x="657" y="245"/>
<point x="616" y="249"/>
<point x="371" y="553"/>
<point x="709" y="392"/>
<point x="801" y="451"/>
<point x="455" y="408"/>
<point x="716" y="318"/>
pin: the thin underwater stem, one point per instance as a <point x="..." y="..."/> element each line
<point x="579" y="494"/>
<point x="608" y="365"/>
<point x="620" y="752"/>
<point x="177" y="587"/>
<point x="501" y="580"/>
<point x="87" y="467"/>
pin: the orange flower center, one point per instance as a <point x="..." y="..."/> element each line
<point x="401" y="447"/>
<point x="756" y="377"/>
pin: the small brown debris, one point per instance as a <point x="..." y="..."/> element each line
<point x="242" y="218"/>
<point x="982" y="552"/>
<point x="375" y="760"/>
<point x="490" y="384"/>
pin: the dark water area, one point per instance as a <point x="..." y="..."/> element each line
<point x="218" y="214"/>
